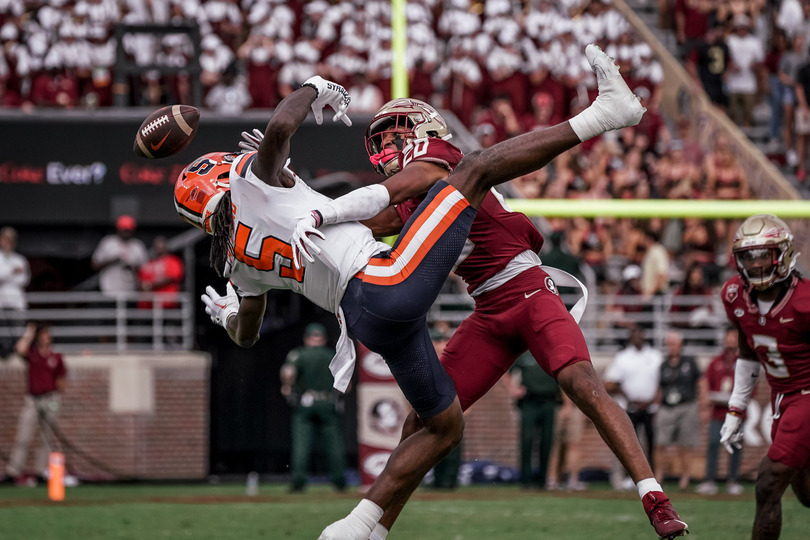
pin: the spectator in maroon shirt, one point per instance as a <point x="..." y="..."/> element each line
<point x="543" y="113"/>
<point x="55" y="88"/>
<point x="691" y="23"/>
<point x="262" y="70"/>
<point x="652" y="124"/>
<point x="502" y="117"/>
<point x="505" y="77"/>
<point x="46" y="382"/>
<point x="421" y="80"/>
<point x="163" y="273"/>
<point x="691" y="301"/>
<point x="462" y="77"/>
<point x="777" y="47"/>
<point x="720" y="383"/>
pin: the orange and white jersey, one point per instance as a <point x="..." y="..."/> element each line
<point x="264" y="217"/>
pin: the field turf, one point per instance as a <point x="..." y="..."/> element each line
<point x="224" y="512"/>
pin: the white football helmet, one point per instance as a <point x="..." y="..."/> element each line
<point x="763" y="251"/>
<point x="396" y="123"/>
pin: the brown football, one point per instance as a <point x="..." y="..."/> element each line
<point x="166" y="131"/>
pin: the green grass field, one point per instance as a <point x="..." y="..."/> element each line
<point x="224" y="512"/>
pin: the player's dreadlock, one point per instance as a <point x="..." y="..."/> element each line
<point x="222" y="222"/>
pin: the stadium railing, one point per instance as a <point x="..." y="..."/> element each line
<point x="96" y="322"/>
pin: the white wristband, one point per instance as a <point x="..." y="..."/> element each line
<point x="746" y="373"/>
<point x="363" y="203"/>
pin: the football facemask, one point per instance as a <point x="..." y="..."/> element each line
<point x="395" y="124"/>
<point x="763" y="251"/>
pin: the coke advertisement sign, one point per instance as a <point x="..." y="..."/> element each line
<point x="60" y="168"/>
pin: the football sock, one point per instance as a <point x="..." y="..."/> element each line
<point x="379" y="533"/>
<point x="586" y="124"/>
<point x="647" y="485"/>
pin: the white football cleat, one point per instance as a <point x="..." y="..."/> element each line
<point x="617" y="105"/>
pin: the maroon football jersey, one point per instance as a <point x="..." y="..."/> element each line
<point x="720" y="378"/>
<point x="497" y="234"/>
<point x="781" y="338"/>
<point x="43" y="371"/>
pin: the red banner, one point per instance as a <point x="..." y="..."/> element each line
<point x="381" y="411"/>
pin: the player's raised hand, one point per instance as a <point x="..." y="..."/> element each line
<point x="302" y="246"/>
<point x="251" y="141"/>
<point x="220" y="308"/>
<point x="731" y="433"/>
<point x="332" y="94"/>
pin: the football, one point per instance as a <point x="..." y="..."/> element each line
<point x="166" y="131"/>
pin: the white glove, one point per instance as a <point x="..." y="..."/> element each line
<point x="731" y="434"/>
<point x="332" y="94"/>
<point x="302" y="246"/>
<point x="251" y="141"/>
<point x="220" y="308"/>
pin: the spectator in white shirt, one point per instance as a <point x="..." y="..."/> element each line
<point x="634" y="378"/>
<point x="742" y="82"/>
<point x="790" y="17"/>
<point x="14" y="277"/>
<point x="230" y="96"/>
<point x="366" y="97"/>
<point x="215" y="56"/>
<point x="118" y="257"/>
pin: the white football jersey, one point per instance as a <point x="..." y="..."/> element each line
<point x="264" y="217"/>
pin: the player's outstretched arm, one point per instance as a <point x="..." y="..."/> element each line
<point x="244" y="330"/>
<point x="314" y="94"/>
<point x="275" y="146"/>
<point x="364" y="204"/>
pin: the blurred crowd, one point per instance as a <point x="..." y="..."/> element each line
<point x="627" y="167"/>
<point x="503" y="67"/>
<point x="462" y="54"/>
<point x="750" y="54"/>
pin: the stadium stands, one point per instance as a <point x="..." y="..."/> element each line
<point x="501" y="67"/>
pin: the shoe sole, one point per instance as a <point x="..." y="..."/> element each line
<point x="597" y="58"/>
<point x="682" y="532"/>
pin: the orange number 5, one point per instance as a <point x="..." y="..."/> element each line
<point x="273" y="255"/>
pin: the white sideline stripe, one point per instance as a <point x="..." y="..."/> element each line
<point x="416" y="242"/>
